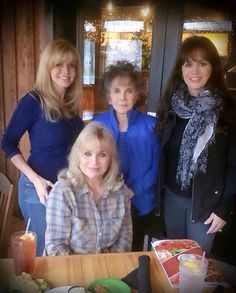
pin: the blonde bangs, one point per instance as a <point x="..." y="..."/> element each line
<point x="59" y="57"/>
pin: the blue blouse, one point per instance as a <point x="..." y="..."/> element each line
<point x="143" y="148"/>
<point x="122" y="145"/>
<point x="50" y="142"/>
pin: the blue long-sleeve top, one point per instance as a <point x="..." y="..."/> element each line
<point x="143" y="153"/>
<point x="50" y="142"/>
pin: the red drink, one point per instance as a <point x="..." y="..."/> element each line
<point x="23" y="247"/>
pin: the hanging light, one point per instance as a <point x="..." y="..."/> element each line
<point x="110" y="6"/>
<point x="145" y="11"/>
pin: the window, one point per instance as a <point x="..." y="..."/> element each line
<point x="112" y="34"/>
<point x="211" y="23"/>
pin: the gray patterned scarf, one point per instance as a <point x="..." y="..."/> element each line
<point x="203" y="113"/>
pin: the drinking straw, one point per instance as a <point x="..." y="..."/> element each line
<point x="27" y="227"/>
<point x="203" y="258"/>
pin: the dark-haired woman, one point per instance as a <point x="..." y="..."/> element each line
<point x="138" y="146"/>
<point x="198" y="135"/>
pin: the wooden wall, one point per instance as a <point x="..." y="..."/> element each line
<point x="25" y="29"/>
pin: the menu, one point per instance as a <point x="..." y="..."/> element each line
<point x="167" y="252"/>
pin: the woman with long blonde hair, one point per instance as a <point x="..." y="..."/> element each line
<point x="50" y="115"/>
<point x="88" y="210"/>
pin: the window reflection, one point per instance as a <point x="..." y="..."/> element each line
<point x="117" y="33"/>
<point x="211" y="23"/>
<point x="89" y="62"/>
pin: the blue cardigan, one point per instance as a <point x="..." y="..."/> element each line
<point x="50" y="142"/>
<point x="143" y="153"/>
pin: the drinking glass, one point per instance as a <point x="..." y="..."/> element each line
<point x="23" y="247"/>
<point x="192" y="269"/>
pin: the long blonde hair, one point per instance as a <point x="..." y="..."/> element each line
<point x="93" y="130"/>
<point x="54" y="107"/>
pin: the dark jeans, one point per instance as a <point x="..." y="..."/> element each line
<point x="177" y="213"/>
<point x="32" y="208"/>
<point x="141" y="227"/>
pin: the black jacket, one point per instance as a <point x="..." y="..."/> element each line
<point x="215" y="190"/>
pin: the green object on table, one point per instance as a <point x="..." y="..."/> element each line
<point x="26" y="283"/>
<point x="113" y="285"/>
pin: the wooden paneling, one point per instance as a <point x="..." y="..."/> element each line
<point x="2" y="160"/>
<point x="25" y="29"/>
<point x="43" y="28"/>
<point x="9" y="90"/>
<point x="25" y="70"/>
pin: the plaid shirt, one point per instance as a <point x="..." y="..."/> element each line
<point x="77" y="224"/>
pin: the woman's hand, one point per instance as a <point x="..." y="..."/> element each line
<point x="216" y="223"/>
<point x="129" y="191"/>
<point x="41" y="185"/>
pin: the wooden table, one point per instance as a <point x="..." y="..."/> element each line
<point x="83" y="269"/>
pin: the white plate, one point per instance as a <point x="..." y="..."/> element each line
<point x="65" y="289"/>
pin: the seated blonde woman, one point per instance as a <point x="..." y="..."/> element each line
<point x="88" y="209"/>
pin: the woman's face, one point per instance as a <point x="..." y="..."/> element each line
<point x="63" y="75"/>
<point x="94" y="160"/>
<point x="196" y="73"/>
<point x="123" y="94"/>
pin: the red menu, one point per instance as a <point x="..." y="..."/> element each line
<point x="167" y="252"/>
